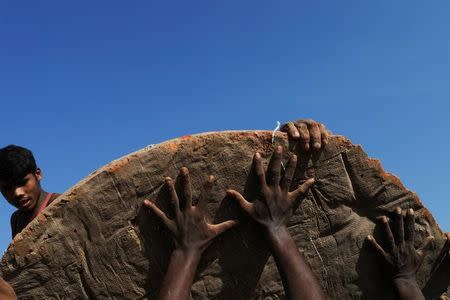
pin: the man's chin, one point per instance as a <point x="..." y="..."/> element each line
<point x="26" y="206"/>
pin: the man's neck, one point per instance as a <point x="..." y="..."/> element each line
<point x="41" y="200"/>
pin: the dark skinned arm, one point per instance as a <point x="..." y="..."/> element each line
<point x="401" y="257"/>
<point x="439" y="279"/>
<point x="446" y="251"/>
<point x="298" y="279"/>
<point x="6" y="291"/>
<point x="272" y="211"/>
<point x="192" y="233"/>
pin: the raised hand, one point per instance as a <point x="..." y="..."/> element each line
<point x="190" y="228"/>
<point x="275" y="204"/>
<point x="272" y="210"/>
<point x="192" y="233"/>
<point x="310" y="134"/>
<point x="400" y="255"/>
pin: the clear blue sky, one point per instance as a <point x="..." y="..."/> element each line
<point x="86" y="82"/>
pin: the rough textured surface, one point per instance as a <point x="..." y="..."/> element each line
<point x="97" y="242"/>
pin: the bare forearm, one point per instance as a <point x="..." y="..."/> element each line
<point x="180" y="275"/>
<point x="298" y="278"/>
<point x="6" y="291"/>
<point x="408" y="289"/>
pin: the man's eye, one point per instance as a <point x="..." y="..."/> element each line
<point x="22" y="182"/>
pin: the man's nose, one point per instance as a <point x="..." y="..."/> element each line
<point x="19" y="192"/>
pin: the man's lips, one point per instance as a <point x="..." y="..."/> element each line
<point x="24" y="202"/>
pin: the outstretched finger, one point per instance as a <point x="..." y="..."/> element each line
<point x="376" y="246"/>
<point x="222" y="227"/>
<point x="399" y="226"/>
<point x="409" y="226"/>
<point x="291" y="130"/>
<point x="304" y="135"/>
<point x="421" y="251"/>
<point x="302" y="190"/>
<point x="173" y="196"/>
<point x="245" y="205"/>
<point x="186" y="186"/>
<point x="259" y="168"/>
<point x="315" y="135"/>
<point x="206" y="193"/>
<point x="159" y="213"/>
<point x="289" y="173"/>
<point x="389" y="236"/>
<point x="447" y="242"/>
<point x="274" y="169"/>
<point x="445" y="251"/>
<point x="324" y="134"/>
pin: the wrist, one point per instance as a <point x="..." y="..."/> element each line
<point x="401" y="281"/>
<point x="185" y="261"/>
<point x="406" y="284"/>
<point x="277" y="234"/>
<point x="408" y="289"/>
<point x="190" y="254"/>
<point x="275" y="228"/>
<point x="404" y="277"/>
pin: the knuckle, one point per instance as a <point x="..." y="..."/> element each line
<point x="284" y="126"/>
<point x="302" y="126"/>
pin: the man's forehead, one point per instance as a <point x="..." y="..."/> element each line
<point x="15" y="181"/>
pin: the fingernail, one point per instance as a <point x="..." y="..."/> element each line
<point x="398" y="210"/>
<point x="369" y="237"/>
<point x="317" y="145"/>
<point x="257" y="155"/>
<point x="384" y="219"/>
<point x="410" y="211"/>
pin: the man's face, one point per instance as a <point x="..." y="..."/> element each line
<point x="23" y="194"/>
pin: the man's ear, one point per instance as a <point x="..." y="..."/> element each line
<point x="38" y="174"/>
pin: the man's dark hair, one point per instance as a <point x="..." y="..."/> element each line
<point x="15" y="163"/>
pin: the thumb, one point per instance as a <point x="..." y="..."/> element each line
<point x="245" y="205"/>
<point x="303" y="189"/>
